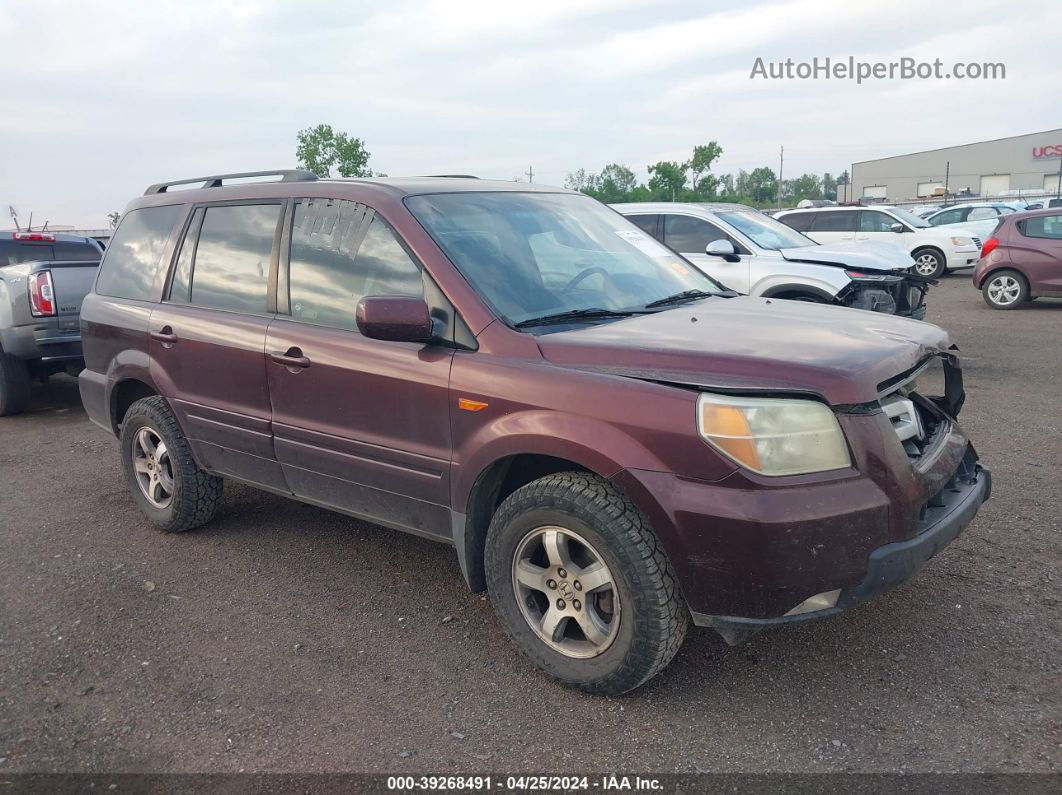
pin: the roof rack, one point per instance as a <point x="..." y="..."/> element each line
<point x="451" y="176"/>
<point x="216" y="181"/>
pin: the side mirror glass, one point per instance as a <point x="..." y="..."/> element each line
<point x="396" y="318"/>
<point x="720" y="248"/>
<point x="896" y="227"/>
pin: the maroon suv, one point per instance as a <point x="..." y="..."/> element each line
<point x="1022" y="260"/>
<point x="614" y="444"/>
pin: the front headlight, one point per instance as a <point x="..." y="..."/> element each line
<point x="773" y="436"/>
<point x="961" y="241"/>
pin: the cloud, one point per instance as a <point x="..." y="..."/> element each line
<point x="107" y="98"/>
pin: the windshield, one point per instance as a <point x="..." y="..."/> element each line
<point x="909" y="218"/>
<point x="765" y="231"/>
<point x="535" y="254"/>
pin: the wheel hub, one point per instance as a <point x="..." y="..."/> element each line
<point x="566" y="592"/>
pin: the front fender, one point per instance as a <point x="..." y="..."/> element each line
<point x="825" y="286"/>
<point x="597" y="446"/>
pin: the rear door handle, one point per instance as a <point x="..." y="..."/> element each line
<point x="292" y="358"/>
<point x="165" y="335"/>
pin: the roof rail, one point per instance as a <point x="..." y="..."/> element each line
<point x="451" y="176"/>
<point x="216" y="181"/>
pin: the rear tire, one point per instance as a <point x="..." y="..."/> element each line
<point x="614" y="579"/>
<point x="163" y="478"/>
<point x="14" y="385"/>
<point x="929" y="263"/>
<point x="1005" y="289"/>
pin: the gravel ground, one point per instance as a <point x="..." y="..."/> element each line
<point x="286" y="638"/>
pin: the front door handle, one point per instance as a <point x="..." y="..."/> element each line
<point x="292" y="358"/>
<point x="165" y="335"/>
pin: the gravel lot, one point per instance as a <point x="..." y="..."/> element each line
<point x="286" y="638"/>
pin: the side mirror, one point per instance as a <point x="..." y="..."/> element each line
<point x="722" y="248"/>
<point x="897" y="227"/>
<point x="396" y="318"/>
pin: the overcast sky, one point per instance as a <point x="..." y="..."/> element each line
<point x="101" y="99"/>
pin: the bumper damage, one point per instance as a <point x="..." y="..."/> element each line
<point x="945" y="517"/>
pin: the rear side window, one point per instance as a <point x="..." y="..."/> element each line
<point x="132" y="259"/>
<point x="690" y="235"/>
<point x="982" y="214"/>
<point x="340" y="252"/>
<point x="1044" y="226"/>
<point x="798" y="221"/>
<point x="230" y="266"/>
<point x="841" y="221"/>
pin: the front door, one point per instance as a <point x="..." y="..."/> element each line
<point x="360" y="425"/>
<point x="208" y="339"/>
<point x="690" y="236"/>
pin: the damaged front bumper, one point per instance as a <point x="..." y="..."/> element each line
<point x="903" y="295"/>
<point x="945" y="517"/>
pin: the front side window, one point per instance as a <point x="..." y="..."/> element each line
<point x="953" y="216"/>
<point x="841" y="221"/>
<point x="132" y="258"/>
<point x="872" y="221"/>
<point x="340" y="252"/>
<point x="690" y="235"/>
<point x="1045" y="226"/>
<point x="230" y="266"/>
<point x="535" y="254"/>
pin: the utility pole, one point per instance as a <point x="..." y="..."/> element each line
<point x="947" y="174"/>
<point x="1058" y="193"/>
<point x="781" y="160"/>
<point x="530" y="173"/>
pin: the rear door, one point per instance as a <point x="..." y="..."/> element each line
<point x="1041" y="257"/>
<point x="831" y="226"/>
<point x="690" y="235"/>
<point x="208" y="337"/>
<point x="361" y="425"/>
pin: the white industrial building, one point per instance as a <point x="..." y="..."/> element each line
<point x="1002" y="167"/>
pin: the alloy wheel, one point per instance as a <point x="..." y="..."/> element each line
<point x="1004" y="290"/>
<point x="153" y="468"/>
<point x="566" y="592"/>
<point x="926" y="264"/>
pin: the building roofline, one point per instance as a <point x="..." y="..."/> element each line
<point x="954" y="146"/>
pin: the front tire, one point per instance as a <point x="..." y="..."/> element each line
<point x="163" y="478"/>
<point x="14" y="385"/>
<point x="582" y="585"/>
<point x="1005" y="290"/>
<point x="929" y="263"/>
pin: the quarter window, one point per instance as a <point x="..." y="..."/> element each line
<point x="340" y="252"/>
<point x="132" y="258"/>
<point x="232" y="257"/>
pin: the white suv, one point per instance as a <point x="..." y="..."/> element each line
<point x="751" y="253"/>
<point x="935" y="249"/>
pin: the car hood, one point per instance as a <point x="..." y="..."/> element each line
<point x="870" y="255"/>
<point x="754" y="344"/>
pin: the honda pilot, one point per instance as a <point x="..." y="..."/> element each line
<point x="614" y="445"/>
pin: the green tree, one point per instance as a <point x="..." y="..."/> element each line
<point x="615" y="183"/>
<point x="842" y="182"/>
<point x="762" y="184"/>
<point x="829" y="187"/>
<point x="321" y="149"/>
<point x="804" y="187"/>
<point x="700" y="164"/>
<point x="667" y="179"/>
<point x="580" y="180"/>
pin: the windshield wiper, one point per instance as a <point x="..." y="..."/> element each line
<point x="678" y="298"/>
<point x="573" y="314"/>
